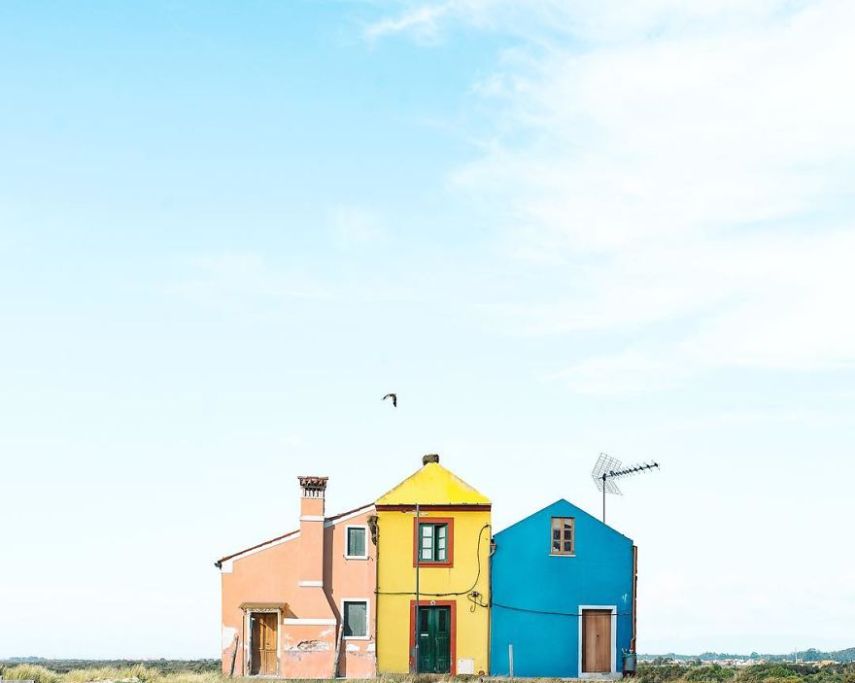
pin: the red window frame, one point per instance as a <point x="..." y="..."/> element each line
<point x="449" y="555"/>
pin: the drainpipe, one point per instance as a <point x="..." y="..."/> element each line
<point x="490" y="553"/>
<point x="634" y="595"/>
<point x="374" y="525"/>
<point x="416" y="614"/>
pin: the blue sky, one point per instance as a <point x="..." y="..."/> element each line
<point x="227" y="229"/>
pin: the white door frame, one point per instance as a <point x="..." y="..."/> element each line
<point x="613" y="609"/>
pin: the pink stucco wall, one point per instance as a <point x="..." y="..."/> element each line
<point x="269" y="578"/>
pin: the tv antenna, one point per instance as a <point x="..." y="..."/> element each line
<point x="607" y="469"/>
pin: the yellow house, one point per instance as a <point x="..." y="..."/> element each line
<point x="433" y="575"/>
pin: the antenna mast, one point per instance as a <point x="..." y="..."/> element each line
<point x="607" y="469"/>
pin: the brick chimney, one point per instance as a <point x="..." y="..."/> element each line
<point x="312" y="502"/>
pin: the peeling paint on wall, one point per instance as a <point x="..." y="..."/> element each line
<point x="229" y="634"/>
<point x="270" y="573"/>
<point x="312" y="646"/>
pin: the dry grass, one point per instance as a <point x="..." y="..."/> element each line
<point x="31" y="672"/>
<point x="139" y="673"/>
<point x="104" y="674"/>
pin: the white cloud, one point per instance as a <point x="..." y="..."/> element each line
<point x="772" y="302"/>
<point x="422" y="21"/>
<point x="354" y="225"/>
<point x="604" y="21"/>
<point x="681" y="173"/>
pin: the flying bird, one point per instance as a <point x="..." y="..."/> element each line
<point x="394" y="398"/>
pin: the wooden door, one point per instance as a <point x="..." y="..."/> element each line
<point x="264" y="638"/>
<point x="596" y="641"/>
<point x="435" y="640"/>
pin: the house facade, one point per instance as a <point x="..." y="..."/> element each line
<point x="433" y="585"/>
<point x="302" y="605"/>
<point x="563" y="596"/>
<point x="417" y="583"/>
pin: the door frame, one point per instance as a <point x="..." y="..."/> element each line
<point x="452" y="630"/>
<point x="613" y="610"/>
<point x="247" y="641"/>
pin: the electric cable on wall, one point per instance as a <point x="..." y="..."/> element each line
<point x="549" y="612"/>
<point x="456" y="593"/>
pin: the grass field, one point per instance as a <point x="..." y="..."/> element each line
<point x="207" y="671"/>
<point x="757" y="673"/>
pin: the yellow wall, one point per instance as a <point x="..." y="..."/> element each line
<point x="396" y="574"/>
<point x="446" y="495"/>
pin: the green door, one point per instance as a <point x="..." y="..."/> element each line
<point x="435" y="640"/>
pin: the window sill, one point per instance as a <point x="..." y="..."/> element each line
<point x="356" y="557"/>
<point x="356" y="637"/>
<point x="562" y="555"/>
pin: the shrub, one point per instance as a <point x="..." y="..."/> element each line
<point x="714" y="672"/>
<point x="34" y="672"/>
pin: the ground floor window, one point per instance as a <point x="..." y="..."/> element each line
<point x="355" y="618"/>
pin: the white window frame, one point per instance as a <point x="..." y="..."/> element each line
<point x="347" y="538"/>
<point x="613" y="672"/>
<point x="367" y="602"/>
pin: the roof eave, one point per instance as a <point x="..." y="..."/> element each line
<point x="335" y="519"/>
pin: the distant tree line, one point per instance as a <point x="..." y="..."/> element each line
<point x="809" y="655"/>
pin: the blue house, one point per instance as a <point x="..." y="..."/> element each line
<point x="563" y="596"/>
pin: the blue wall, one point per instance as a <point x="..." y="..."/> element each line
<point x="528" y="578"/>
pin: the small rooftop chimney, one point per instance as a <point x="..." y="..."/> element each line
<point x="430" y="458"/>
<point x="312" y="501"/>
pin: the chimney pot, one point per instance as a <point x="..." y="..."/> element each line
<point x="313" y="487"/>
<point x="430" y="458"/>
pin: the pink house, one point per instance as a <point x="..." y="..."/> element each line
<point x="302" y="605"/>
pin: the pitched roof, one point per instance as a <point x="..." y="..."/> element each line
<point x="433" y="484"/>
<point x="329" y="521"/>
<point x="563" y="502"/>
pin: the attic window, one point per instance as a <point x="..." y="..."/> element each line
<point x="563" y="539"/>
